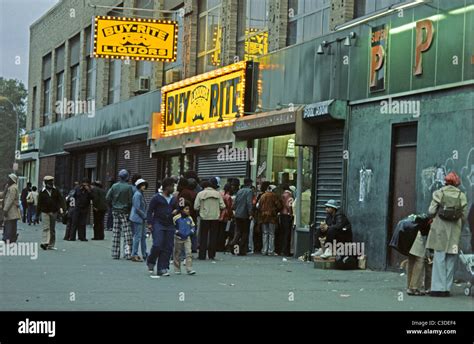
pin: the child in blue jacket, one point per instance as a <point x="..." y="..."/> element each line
<point x="185" y="228"/>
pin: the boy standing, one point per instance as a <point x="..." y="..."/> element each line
<point x="185" y="228"/>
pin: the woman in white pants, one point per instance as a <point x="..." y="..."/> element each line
<point x="445" y="234"/>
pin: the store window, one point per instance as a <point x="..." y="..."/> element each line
<point x="209" y="35"/>
<point x="307" y="19"/>
<point x="252" y="29"/>
<point x="277" y="162"/>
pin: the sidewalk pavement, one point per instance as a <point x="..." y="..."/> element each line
<point x="82" y="276"/>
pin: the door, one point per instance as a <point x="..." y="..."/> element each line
<point x="403" y="182"/>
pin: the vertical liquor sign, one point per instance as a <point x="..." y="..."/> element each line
<point x="378" y="49"/>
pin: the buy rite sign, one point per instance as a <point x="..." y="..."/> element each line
<point x="135" y="38"/>
<point x="211" y="100"/>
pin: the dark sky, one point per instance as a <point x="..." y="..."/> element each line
<point x="16" y="16"/>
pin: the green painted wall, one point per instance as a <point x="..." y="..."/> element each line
<point x="307" y="77"/>
<point x="124" y="115"/>
<point x="445" y="130"/>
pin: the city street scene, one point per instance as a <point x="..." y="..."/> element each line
<point x="237" y="155"/>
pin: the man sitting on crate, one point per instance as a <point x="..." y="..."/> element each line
<point x="336" y="228"/>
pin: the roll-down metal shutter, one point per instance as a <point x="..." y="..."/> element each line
<point x="329" y="169"/>
<point x="135" y="158"/>
<point x="208" y="166"/>
<point x="91" y="160"/>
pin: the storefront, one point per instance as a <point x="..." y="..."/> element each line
<point x="193" y="131"/>
<point x="29" y="156"/>
<point x="103" y="157"/>
<point x="406" y="84"/>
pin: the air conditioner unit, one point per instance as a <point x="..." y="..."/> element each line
<point x="172" y="75"/>
<point x="143" y="84"/>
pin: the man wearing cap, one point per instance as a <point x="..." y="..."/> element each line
<point x="11" y="209"/>
<point x="50" y="201"/>
<point x="336" y="227"/>
<point x="137" y="219"/>
<point x="100" y="207"/>
<point x="119" y="197"/>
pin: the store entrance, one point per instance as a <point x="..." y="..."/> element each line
<point x="403" y="182"/>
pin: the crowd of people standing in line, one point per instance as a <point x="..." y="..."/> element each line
<point x="187" y="216"/>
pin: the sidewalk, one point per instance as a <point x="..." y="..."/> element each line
<point x="83" y="276"/>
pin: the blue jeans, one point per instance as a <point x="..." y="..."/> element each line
<point x="163" y="243"/>
<point x="139" y="238"/>
<point x="31" y="216"/>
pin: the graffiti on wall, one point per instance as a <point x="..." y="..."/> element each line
<point x="365" y="179"/>
<point x="432" y="177"/>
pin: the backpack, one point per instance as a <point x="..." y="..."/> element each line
<point x="450" y="208"/>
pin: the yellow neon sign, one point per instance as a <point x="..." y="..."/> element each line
<point x="206" y="101"/>
<point x="135" y="38"/>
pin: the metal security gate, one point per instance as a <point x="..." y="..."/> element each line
<point x="135" y="158"/>
<point x="209" y="166"/>
<point x="329" y="169"/>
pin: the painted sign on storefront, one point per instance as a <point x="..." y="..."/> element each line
<point x="423" y="42"/>
<point x="211" y="100"/>
<point x="378" y="43"/>
<point x="317" y="109"/>
<point x="135" y="38"/>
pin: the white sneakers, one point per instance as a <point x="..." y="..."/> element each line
<point x="317" y="253"/>
<point x="327" y="253"/>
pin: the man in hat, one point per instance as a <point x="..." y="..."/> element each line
<point x="11" y="209"/>
<point x="50" y="201"/>
<point x="119" y="198"/>
<point x="336" y="228"/>
<point x="100" y="207"/>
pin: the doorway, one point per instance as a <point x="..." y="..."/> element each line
<point x="402" y="182"/>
